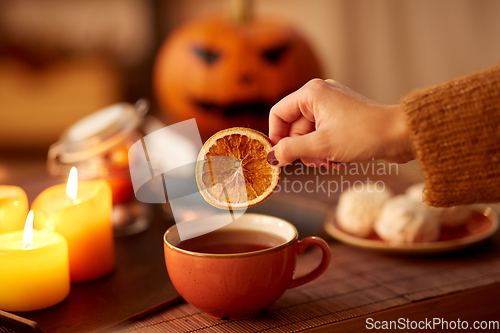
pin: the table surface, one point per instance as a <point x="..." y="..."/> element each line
<point x="477" y="304"/>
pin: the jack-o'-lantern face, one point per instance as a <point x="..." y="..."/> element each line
<point x="227" y="75"/>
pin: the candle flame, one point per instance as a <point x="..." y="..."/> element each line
<point x="72" y="186"/>
<point x="28" y="231"/>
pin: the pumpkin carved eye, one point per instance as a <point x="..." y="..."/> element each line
<point x="273" y="55"/>
<point x="207" y="55"/>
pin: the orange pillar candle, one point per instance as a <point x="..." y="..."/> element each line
<point x="83" y="217"/>
<point x="34" y="270"/>
<point x="13" y="208"/>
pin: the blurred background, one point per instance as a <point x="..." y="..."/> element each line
<point x="63" y="59"/>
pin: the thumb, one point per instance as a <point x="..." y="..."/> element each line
<point x="287" y="150"/>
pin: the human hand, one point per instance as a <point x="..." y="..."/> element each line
<point x="324" y="121"/>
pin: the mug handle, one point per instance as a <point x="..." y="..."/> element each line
<point x="325" y="260"/>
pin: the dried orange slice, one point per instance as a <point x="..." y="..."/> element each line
<point x="232" y="170"/>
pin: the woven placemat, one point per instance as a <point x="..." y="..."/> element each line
<point x="357" y="282"/>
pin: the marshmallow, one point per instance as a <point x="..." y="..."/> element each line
<point x="448" y="216"/>
<point x="358" y="208"/>
<point x="405" y="221"/>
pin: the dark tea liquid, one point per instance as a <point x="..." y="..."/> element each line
<point x="231" y="241"/>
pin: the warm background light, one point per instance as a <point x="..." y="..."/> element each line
<point x="66" y="68"/>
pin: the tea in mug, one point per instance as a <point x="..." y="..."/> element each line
<point x="231" y="241"/>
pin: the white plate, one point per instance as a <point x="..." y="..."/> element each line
<point x="480" y="226"/>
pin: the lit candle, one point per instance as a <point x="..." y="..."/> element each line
<point x="34" y="269"/>
<point x="83" y="216"/>
<point x="13" y="208"/>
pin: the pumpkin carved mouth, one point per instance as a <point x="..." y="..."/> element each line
<point x="255" y="108"/>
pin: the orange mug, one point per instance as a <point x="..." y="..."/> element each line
<point x="241" y="268"/>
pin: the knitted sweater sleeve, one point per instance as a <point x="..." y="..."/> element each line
<point x="455" y="128"/>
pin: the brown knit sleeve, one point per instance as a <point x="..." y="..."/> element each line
<point x="455" y="128"/>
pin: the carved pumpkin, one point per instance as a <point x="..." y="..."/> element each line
<point x="228" y="74"/>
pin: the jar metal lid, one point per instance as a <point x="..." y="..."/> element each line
<point x="96" y="134"/>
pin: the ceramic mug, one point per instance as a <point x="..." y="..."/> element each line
<point x="240" y="285"/>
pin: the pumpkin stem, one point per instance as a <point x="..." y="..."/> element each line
<point x="241" y="11"/>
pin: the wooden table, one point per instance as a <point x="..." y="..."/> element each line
<point x="478" y="304"/>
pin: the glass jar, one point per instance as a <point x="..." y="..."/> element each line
<point x="98" y="146"/>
